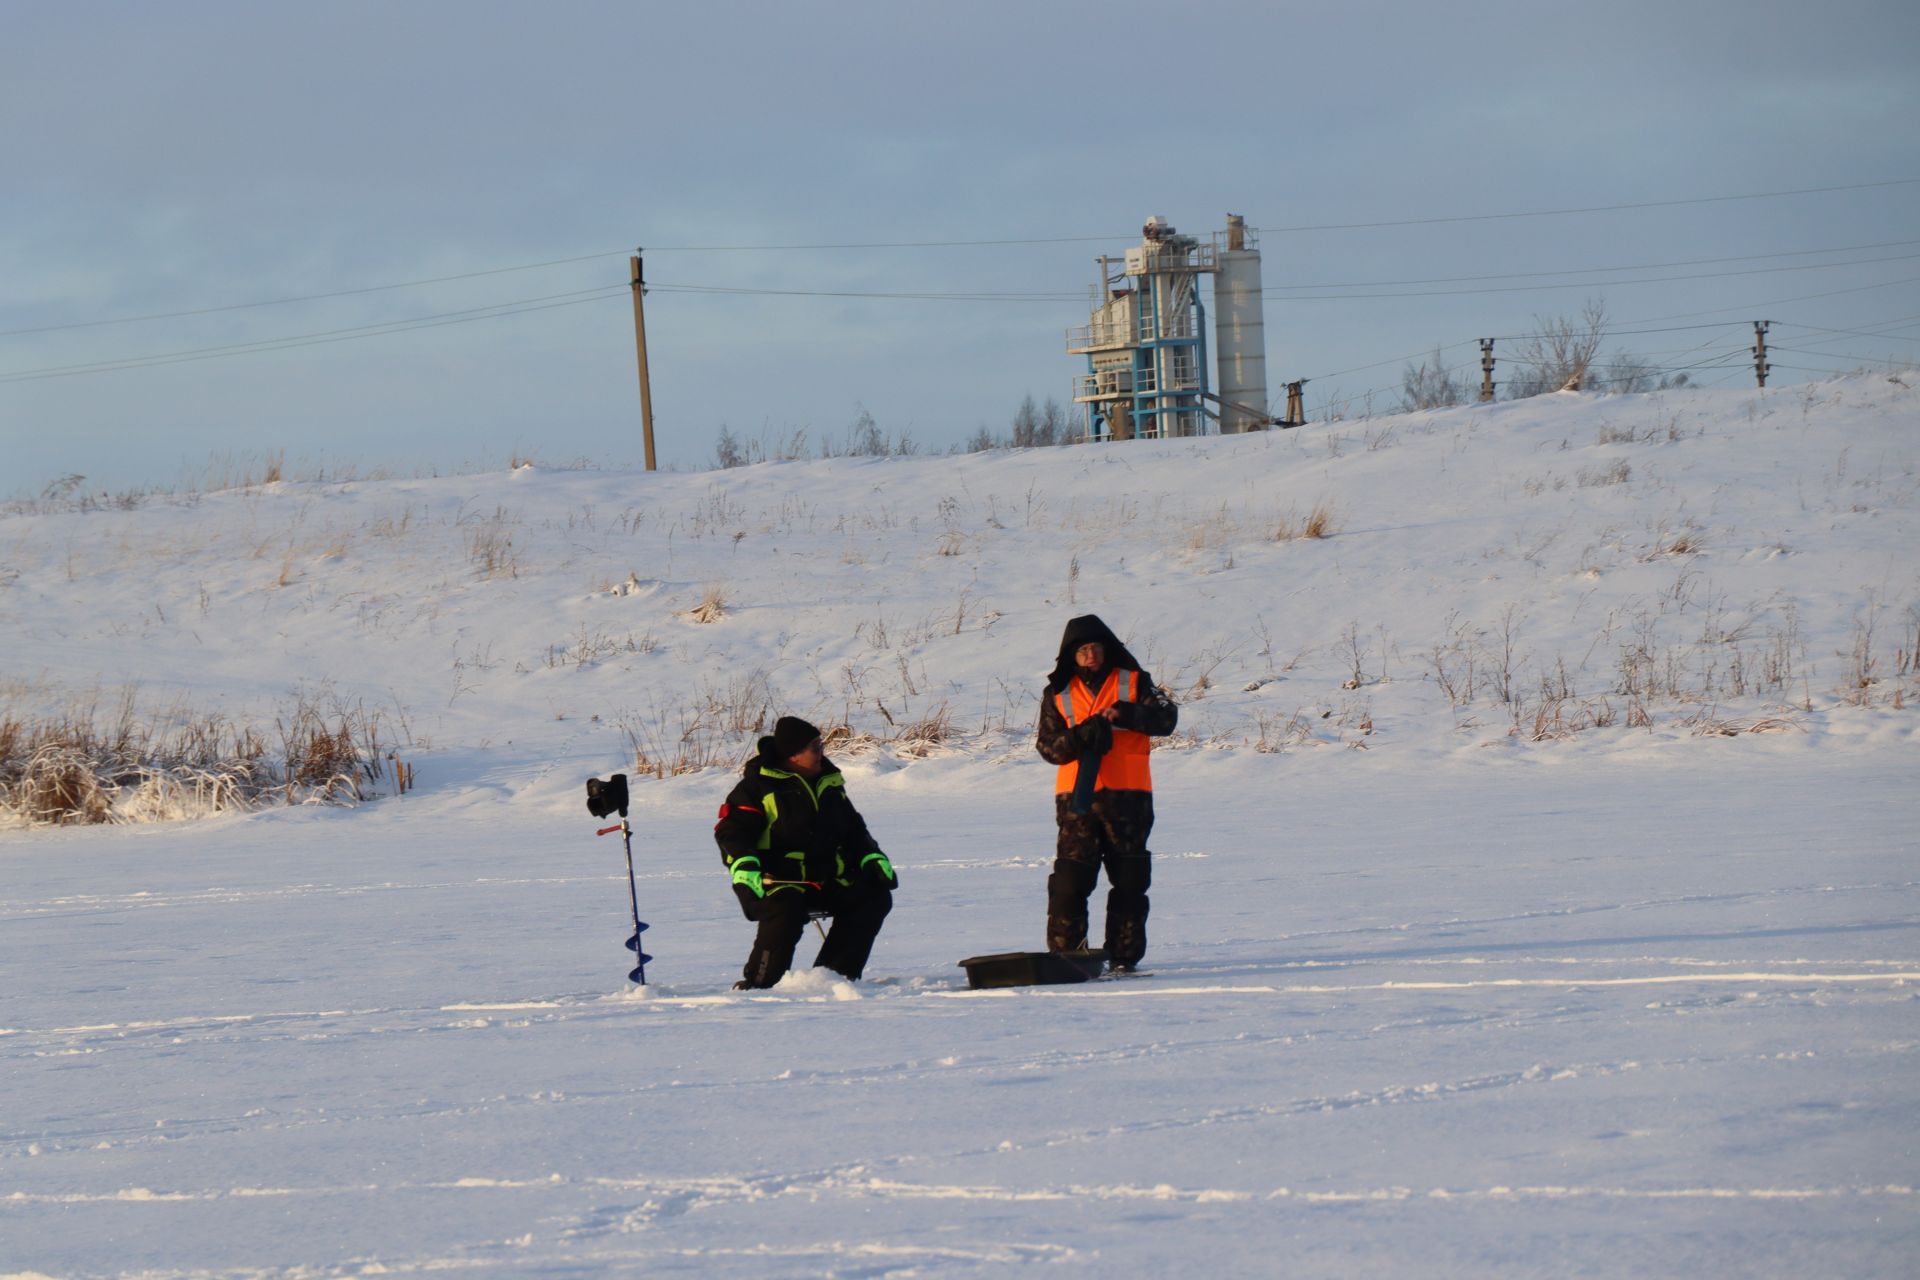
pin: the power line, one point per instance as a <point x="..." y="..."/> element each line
<point x="308" y="297"/>
<point x="1801" y="369"/>
<point x="1592" y="284"/>
<point x="1327" y="226"/>
<point x="911" y="295"/>
<point x="1599" y="208"/>
<point x="980" y="295"/>
<point x="1774" y="302"/>
<point x="1876" y="332"/>
<point x="323" y="337"/>
<point x="1574" y="271"/>
<point x="1002" y="242"/>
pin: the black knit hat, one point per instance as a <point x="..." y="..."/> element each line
<point x="791" y="736"/>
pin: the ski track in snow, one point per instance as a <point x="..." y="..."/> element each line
<point x="359" y="1024"/>
<point x="1146" y="986"/>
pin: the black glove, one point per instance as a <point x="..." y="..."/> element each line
<point x="877" y="868"/>
<point x="1093" y="736"/>
<point x="745" y="874"/>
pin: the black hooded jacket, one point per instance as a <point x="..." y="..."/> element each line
<point x="798" y="829"/>
<point x="1153" y="713"/>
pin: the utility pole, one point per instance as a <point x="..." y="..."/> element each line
<point x="1296" y="405"/>
<point x="1486" y="370"/>
<point x="1760" y="365"/>
<point x="640" y="346"/>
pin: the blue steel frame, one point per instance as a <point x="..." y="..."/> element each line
<point x="1155" y="406"/>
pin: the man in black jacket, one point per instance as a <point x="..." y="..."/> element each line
<point x="795" y="845"/>
<point x="1096" y="718"/>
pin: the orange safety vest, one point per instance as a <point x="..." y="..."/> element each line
<point x="1124" y="767"/>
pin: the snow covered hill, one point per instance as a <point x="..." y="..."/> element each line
<point x="1681" y="562"/>
<point x="1535" y="865"/>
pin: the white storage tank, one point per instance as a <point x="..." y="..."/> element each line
<point x="1240" y="331"/>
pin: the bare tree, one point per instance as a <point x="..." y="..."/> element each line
<point x="1624" y="372"/>
<point x="1559" y="352"/>
<point x="1053" y="425"/>
<point x="1429" y="386"/>
<point x="864" y="437"/>
<point x="1026" y="425"/>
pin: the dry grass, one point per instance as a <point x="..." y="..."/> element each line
<point x="712" y="606"/>
<point x="1640" y="665"/>
<point x="919" y="738"/>
<point x="1320" y="522"/>
<point x="1683" y="542"/>
<point x="489" y="544"/>
<point x="136" y="765"/>
<point x="1277" y="733"/>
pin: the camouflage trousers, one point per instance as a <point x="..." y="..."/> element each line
<point x="1113" y="836"/>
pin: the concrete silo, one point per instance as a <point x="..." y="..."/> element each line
<point x="1146" y="340"/>
<point x="1240" y="331"/>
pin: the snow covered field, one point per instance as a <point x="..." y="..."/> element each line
<point x="1597" y="961"/>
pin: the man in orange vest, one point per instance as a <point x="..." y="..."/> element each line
<point x="1096" y="720"/>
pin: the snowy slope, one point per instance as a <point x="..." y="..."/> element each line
<point x="1521" y="988"/>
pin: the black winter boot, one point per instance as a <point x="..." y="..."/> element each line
<point x="1126" y="943"/>
<point x="1065" y="933"/>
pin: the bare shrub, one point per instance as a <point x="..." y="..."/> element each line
<point x="1036" y="428"/>
<point x="1429" y="385"/>
<point x="1354" y="652"/>
<point x="865" y="439"/>
<point x="741" y="705"/>
<point x="1905" y="663"/>
<point x="1557" y="355"/>
<point x="489" y="545"/>
<point x="727" y="452"/>
<point x="1277" y="733"/>
<point x="1863" y="666"/>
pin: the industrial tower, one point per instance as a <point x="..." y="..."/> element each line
<point x="1146" y="341"/>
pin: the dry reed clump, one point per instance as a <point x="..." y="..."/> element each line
<point x="712" y="606"/>
<point x="1321" y="522"/>
<point x="919" y="738"/>
<point x="134" y="767"/>
<point x="843" y="739"/>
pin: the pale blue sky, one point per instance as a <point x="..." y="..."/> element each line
<point x="181" y="156"/>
